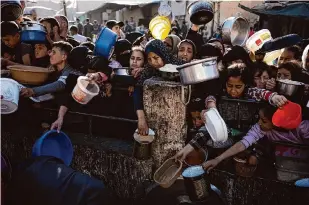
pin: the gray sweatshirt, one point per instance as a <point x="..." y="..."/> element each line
<point x="56" y="86"/>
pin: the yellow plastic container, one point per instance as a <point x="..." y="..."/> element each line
<point x="160" y="27"/>
<point x="271" y="56"/>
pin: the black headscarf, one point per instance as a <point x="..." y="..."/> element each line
<point x="79" y="59"/>
<point x="210" y="49"/>
<point x="123" y="52"/>
<point x="238" y="53"/>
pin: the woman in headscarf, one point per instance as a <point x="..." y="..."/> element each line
<point x="157" y="56"/>
<point x="171" y="42"/>
<point x="64" y="26"/>
<point x="186" y="50"/>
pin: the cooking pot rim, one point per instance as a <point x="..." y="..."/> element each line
<point x="196" y="62"/>
<point x="301" y="83"/>
<point x="234" y="19"/>
<point x="189" y="6"/>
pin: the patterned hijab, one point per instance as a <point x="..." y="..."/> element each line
<point x="158" y="47"/>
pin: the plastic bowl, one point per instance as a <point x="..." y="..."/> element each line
<point x="54" y="144"/>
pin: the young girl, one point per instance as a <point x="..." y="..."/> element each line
<point x="264" y="128"/>
<point x="186" y="50"/>
<point x="261" y="75"/>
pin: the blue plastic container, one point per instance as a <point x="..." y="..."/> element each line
<point x="33" y="32"/>
<point x="33" y="36"/>
<point x="104" y="45"/>
<point x="54" y="144"/>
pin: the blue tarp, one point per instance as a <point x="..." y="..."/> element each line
<point x="298" y="10"/>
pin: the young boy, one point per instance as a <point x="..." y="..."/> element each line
<point x="41" y="53"/>
<point x="59" y="60"/>
<point x="10" y="36"/>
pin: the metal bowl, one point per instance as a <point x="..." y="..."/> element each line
<point x="235" y="31"/>
<point x="290" y="89"/>
<point x="122" y="76"/>
<point x="198" y="71"/>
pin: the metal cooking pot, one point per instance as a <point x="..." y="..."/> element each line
<point x="10" y="10"/>
<point x="104" y="45"/>
<point x="33" y="32"/>
<point x="197" y="183"/>
<point x="198" y="71"/>
<point x="122" y="76"/>
<point x="201" y="12"/>
<point x="235" y="30"/>
<point x="288" y="89"/>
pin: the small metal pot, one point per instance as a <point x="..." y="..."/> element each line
<point x="123" y="77"/>
<point x="142" y="146"/>
<point x="10" y="10"/>
<point x="198" y="71"/>
<point x="288" y="89"/>
<point x="33" y="32"/>
<point x="197" y="183"/>
<point x="201" y="12"/>
<point x="235" y="31"/>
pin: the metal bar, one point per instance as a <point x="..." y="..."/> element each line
<point x="99" y="116"/>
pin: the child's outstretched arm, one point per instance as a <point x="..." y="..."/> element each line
<point x="254" y="134"/>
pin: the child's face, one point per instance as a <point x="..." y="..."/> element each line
<point x="265" y="123"/>
<point x="40" y="51"/>
<point x="284" y="74"/>
<point x="235" y="87"/>
<point x="11" y="41"/>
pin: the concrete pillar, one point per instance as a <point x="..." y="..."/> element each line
<point x="166" y="115"/>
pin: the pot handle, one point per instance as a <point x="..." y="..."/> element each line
<point x="183" y="95"/>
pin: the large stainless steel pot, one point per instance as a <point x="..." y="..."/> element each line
<point x="198" y="71"/>
<point x="201" y="12"/>
<point x="292" y="88"/>
<point x="235" y="30"/>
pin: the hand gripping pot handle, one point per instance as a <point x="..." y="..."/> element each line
<point x="183" y="95"/>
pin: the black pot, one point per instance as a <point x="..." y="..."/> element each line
<point x="197" y="185"/>
<point x="10" y="10"/>
<point x="201" y="12"/>
<point x="122" y="76"/>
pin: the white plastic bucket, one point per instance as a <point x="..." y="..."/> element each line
<point x="83" y="93"/>
<point x="256" y="41"/>
<point x="9" y="95"/>
<point x="215" y="125"/>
